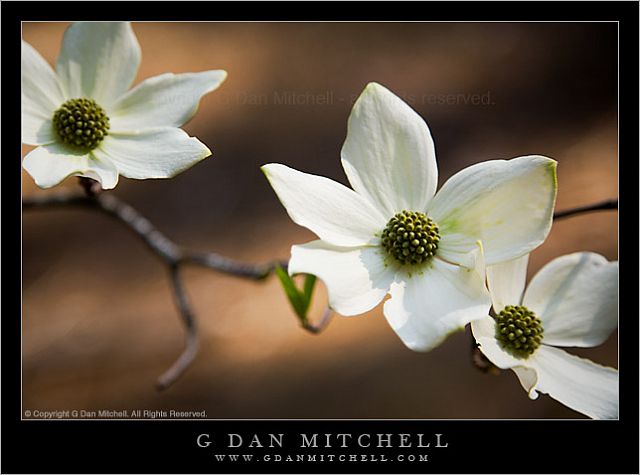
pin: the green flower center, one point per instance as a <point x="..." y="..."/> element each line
<point x="410" y="237"/>
<point x="81" y="123"/>
<point x="518" y="330"/>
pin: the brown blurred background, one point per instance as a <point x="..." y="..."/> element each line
<point x="98" y="319"/>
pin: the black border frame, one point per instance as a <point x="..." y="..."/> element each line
<point x="170" y="446"/>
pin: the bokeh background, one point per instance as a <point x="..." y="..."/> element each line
<point x="99" y="323"/>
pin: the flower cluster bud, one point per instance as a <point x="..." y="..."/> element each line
<point x="518" y="330"/>
<point x="81" y="123"/>
<point x="411" y="237"/>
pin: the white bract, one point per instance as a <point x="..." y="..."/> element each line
<point x="428" y="258"/>
<point x="86" y="122"/>
<point x="574" y="299"/>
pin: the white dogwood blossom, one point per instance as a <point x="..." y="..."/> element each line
<point x="86" y="122"/>
<point x="572" y="301"/>
<point x="393" y="234"/>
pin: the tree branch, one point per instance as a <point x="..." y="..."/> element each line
<point x="175" y="256"/>
<point x="602" y="206"/>
<point x="170" y="253"/>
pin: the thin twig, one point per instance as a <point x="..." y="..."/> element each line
<point x="602" y="206"/>
<point x="170" y="253"/>
<point x="479" y="360"/>
<point x="191" y="332"/>
<point x="316" y="328"/>
<point x="224" y="264"/>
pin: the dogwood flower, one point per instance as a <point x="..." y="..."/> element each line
<point x="571" y="301"/>
<point x="393" y="234"/>
<point x="86" y="122"/>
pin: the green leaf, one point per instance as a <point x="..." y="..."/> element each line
<point x="309" y="284"/>
<point x="300" y="300"/>
<point x="292" y="292"/>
